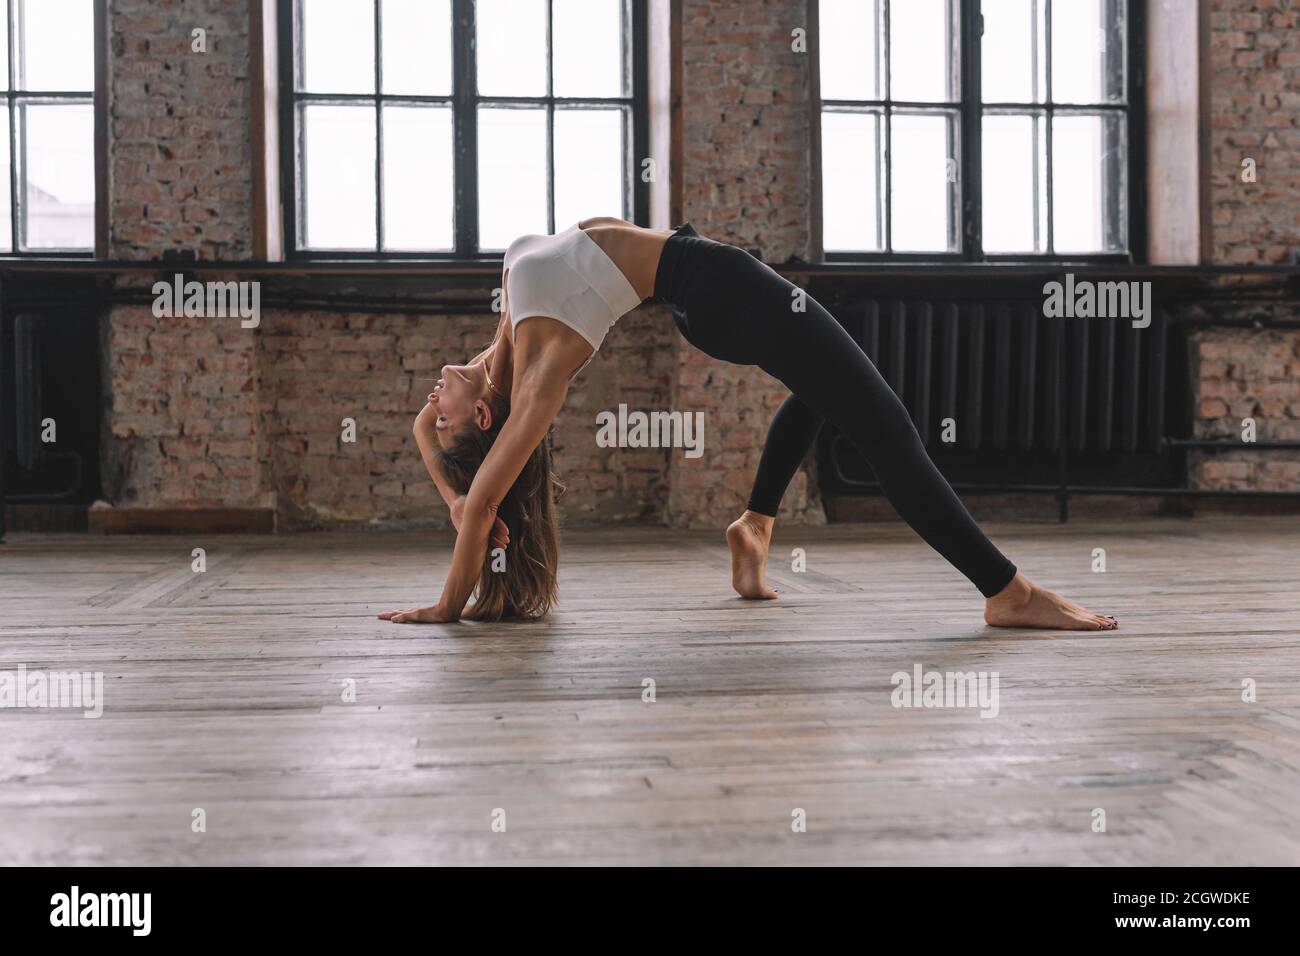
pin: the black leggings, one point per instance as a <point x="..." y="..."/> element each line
<point x="731" y="306"/>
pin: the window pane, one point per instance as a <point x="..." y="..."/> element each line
<point x="1087" y="52"/>
<point x="418" y="177"/>
<point x="1013" y="61"/>
<point x="416" y="47"/>
<point x="58" y="46"/>
<point x="511" y="175"/>
<point x="587" y="36"/>
<point x="6" y="207"/>
<point x="923" y="182"/>
<point x="1089" y="206"/>
<point x="588" y="165"/>
<point x="511" y="50"/>
<point x="849" y="31"/>
<point x="851" y="214"/>
<point x="1013" y="175"/>
<point x="338" y="177"/>
<point x="58" y="151"/>
<point x="338" y="46"/>
<point x="922" y="54"/>
<point x="4" y="53"/>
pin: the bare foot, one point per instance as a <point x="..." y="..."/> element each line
<point x="748" y="537"/>
<point x="1022" y="603"/>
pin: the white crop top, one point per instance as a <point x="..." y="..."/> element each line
<point x="567" y="277"/>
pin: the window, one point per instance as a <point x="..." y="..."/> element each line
<point x="47" y="199"/>
<point x="976" y="130"/>
<point x="449" y="127"/>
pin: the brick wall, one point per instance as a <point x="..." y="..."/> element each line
<point x="206" y="414"/>
<point x="1241" y="375"/>
<point x="316" y="369"/>
<point x="180" y="161"/>
<point x="746" y="124"/>
<point x="182" y="423"/>
<point x="1254" y="114"/>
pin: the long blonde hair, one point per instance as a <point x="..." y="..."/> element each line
<point x="528" y="586"/>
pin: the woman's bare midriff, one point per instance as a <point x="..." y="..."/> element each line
<point x="633" y="249"/>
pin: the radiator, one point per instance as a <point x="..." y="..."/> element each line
<point x="1011" y="378"/>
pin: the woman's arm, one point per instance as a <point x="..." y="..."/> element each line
<point x="426" y="438"/>
<point x="536" y="401"/>
<point x="424" y="428"/>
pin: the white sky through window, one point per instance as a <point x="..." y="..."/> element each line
<point x="1013" y="71"/>
<point x="418" y="157"/>
<point x="55" y="142"/>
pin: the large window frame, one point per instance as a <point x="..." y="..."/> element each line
<point x="464" y="102"/>
<point x="15" y="99"/>
<point x="967" y="138"/>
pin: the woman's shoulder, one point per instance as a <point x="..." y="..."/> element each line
<point x="517" y="247"/>
<point x="602" y="221"/>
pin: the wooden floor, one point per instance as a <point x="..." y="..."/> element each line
<point x="224" y="692"/>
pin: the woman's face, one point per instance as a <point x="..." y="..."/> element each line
<point x="460" y="398"/>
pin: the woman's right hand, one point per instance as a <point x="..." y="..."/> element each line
<point x="498" y="537"/>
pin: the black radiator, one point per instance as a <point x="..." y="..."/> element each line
<point x="1009" y="400"/>
<point x="1011" y="378"/>
<point x="49" y="372"/>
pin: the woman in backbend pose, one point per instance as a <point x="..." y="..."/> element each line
<point x="483" y="434"/>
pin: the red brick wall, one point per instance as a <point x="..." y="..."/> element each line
<point x="1254" y="114"/>
<point x="180" y="162"/>
<point x="1247" y="374"/>
<point x="746" y="124"/>
<point x="182" y="427"/>
<point x="207" y="413"/>
<point x="315" y="369"/>
<point x="182" y="420"/>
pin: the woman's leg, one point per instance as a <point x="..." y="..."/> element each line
<point x="792" y="432"/>
<point x="832" y="377"/>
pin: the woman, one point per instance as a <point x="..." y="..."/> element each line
<point x="490" y="418"/>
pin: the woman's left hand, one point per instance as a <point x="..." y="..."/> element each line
<point x="421" y="615"/>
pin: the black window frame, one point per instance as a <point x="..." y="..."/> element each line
<point x="968" y="133"/>
<point x="464" y="101"/>
<point x="14" y="99"/>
